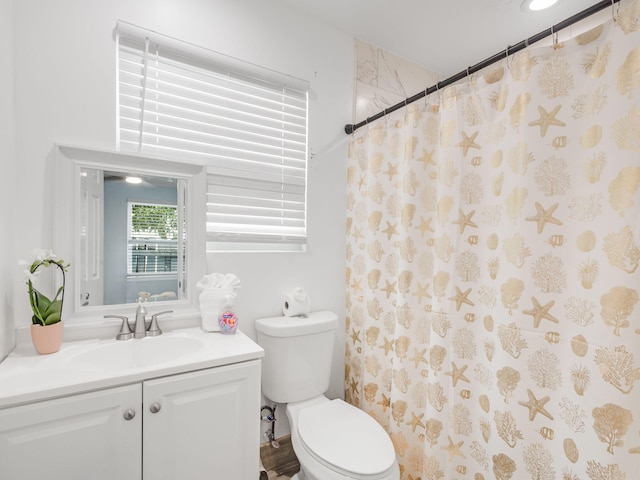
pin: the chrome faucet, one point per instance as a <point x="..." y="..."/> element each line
<point x="154" y="329"/>
<point x="140" y="327"/>
<point x="125" y="332"/>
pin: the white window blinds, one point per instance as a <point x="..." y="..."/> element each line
<point x="246" y="123"/>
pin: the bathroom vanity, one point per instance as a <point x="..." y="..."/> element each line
<point x="181" y="405"/>
<point x="184" y="405"/>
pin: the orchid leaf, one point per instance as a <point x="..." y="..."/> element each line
<point x="42" y="302"/>
<point x="53" y="318"/>
<point x="55" y="306"/>
<point x="39" y="303"/>
<point x="60" y="290"/>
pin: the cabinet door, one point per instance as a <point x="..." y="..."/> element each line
<point x="78" y="437"/>
<point x="207" y="425"/>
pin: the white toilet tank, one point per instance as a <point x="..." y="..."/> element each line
<point x="298" y="351"/>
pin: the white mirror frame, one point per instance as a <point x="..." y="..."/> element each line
<point x="68" y="162"/>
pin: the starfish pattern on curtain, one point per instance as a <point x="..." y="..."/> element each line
<point x="493" y="244"/>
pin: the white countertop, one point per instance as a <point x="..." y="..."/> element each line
<point x="26" y="376"/>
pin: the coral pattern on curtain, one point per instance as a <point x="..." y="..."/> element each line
<point x="492" y="267"/>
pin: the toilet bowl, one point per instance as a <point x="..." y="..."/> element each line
<point x="337" y="441"/>
<point x="332" y="439"/>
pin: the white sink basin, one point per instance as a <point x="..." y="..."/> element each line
<point x="136" y="353"/>
<point x="98" y="363"/>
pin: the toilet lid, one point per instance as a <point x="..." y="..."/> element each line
<point x="345" y="438"/>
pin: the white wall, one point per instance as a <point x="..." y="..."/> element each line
<point x="8" y="265"/>
<point x="65" y="93"/>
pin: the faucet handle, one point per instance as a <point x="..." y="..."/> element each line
<point x="125" y="332"/>
<point x="154" y="329"/>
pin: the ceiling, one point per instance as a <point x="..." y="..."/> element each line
<point x="444" y="36"/>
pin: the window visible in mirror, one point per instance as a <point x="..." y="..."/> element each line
<point x="141" y="240"/>
<point x="152" y="248"/>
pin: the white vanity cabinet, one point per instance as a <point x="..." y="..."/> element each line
<point x="196" y="425"/>
<point x="203" y="425"/>
<point x="81" y="436"/>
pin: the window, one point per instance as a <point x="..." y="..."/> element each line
<point x="152" y="247"/>
<point x="247" y="124"/>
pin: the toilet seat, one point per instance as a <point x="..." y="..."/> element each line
<point x="346" y="440"/>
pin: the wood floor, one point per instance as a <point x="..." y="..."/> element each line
<point x="280" y="463"/>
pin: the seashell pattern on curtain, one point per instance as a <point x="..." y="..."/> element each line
<point x="493" y="245"/>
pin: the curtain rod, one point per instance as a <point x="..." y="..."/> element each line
<point x="510" y="50"/>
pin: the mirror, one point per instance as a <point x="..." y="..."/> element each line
<point x="128" y="225"/>
<point x="131" y="238"/>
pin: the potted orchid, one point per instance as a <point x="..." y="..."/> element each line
<point x="46" y="328"/>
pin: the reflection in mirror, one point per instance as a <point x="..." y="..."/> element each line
<point x="132" y="238"/>
<point x="128" y="241"/>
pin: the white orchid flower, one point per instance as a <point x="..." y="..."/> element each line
<point x="40" y="254"/>
<point x="31" y="276"/>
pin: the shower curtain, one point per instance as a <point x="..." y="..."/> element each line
<point x="493" y="246"/>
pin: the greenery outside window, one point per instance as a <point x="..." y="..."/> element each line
<point x="152" y="247"/>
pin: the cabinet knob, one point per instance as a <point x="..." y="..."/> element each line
<point x="155" y="408"/>
<point x="129" y="414"/>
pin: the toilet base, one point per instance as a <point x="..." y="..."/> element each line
<point x="298" y="476"/>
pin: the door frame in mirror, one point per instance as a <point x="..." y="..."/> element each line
<point x="66" y="215"/>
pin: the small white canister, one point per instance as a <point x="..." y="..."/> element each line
<point x="216" y="292"/>
<point x="212" y="302"/>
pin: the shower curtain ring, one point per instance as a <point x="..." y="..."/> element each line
<point x="554" y="35"/>
<point x="439" y="93"/>
<point x="508" y="57"/>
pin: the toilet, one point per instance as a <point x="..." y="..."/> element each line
<point x="332" y="439"/>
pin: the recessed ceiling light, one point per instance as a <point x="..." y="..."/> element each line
<point x="537" y="5"/>
<point x="133" y="180"/>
